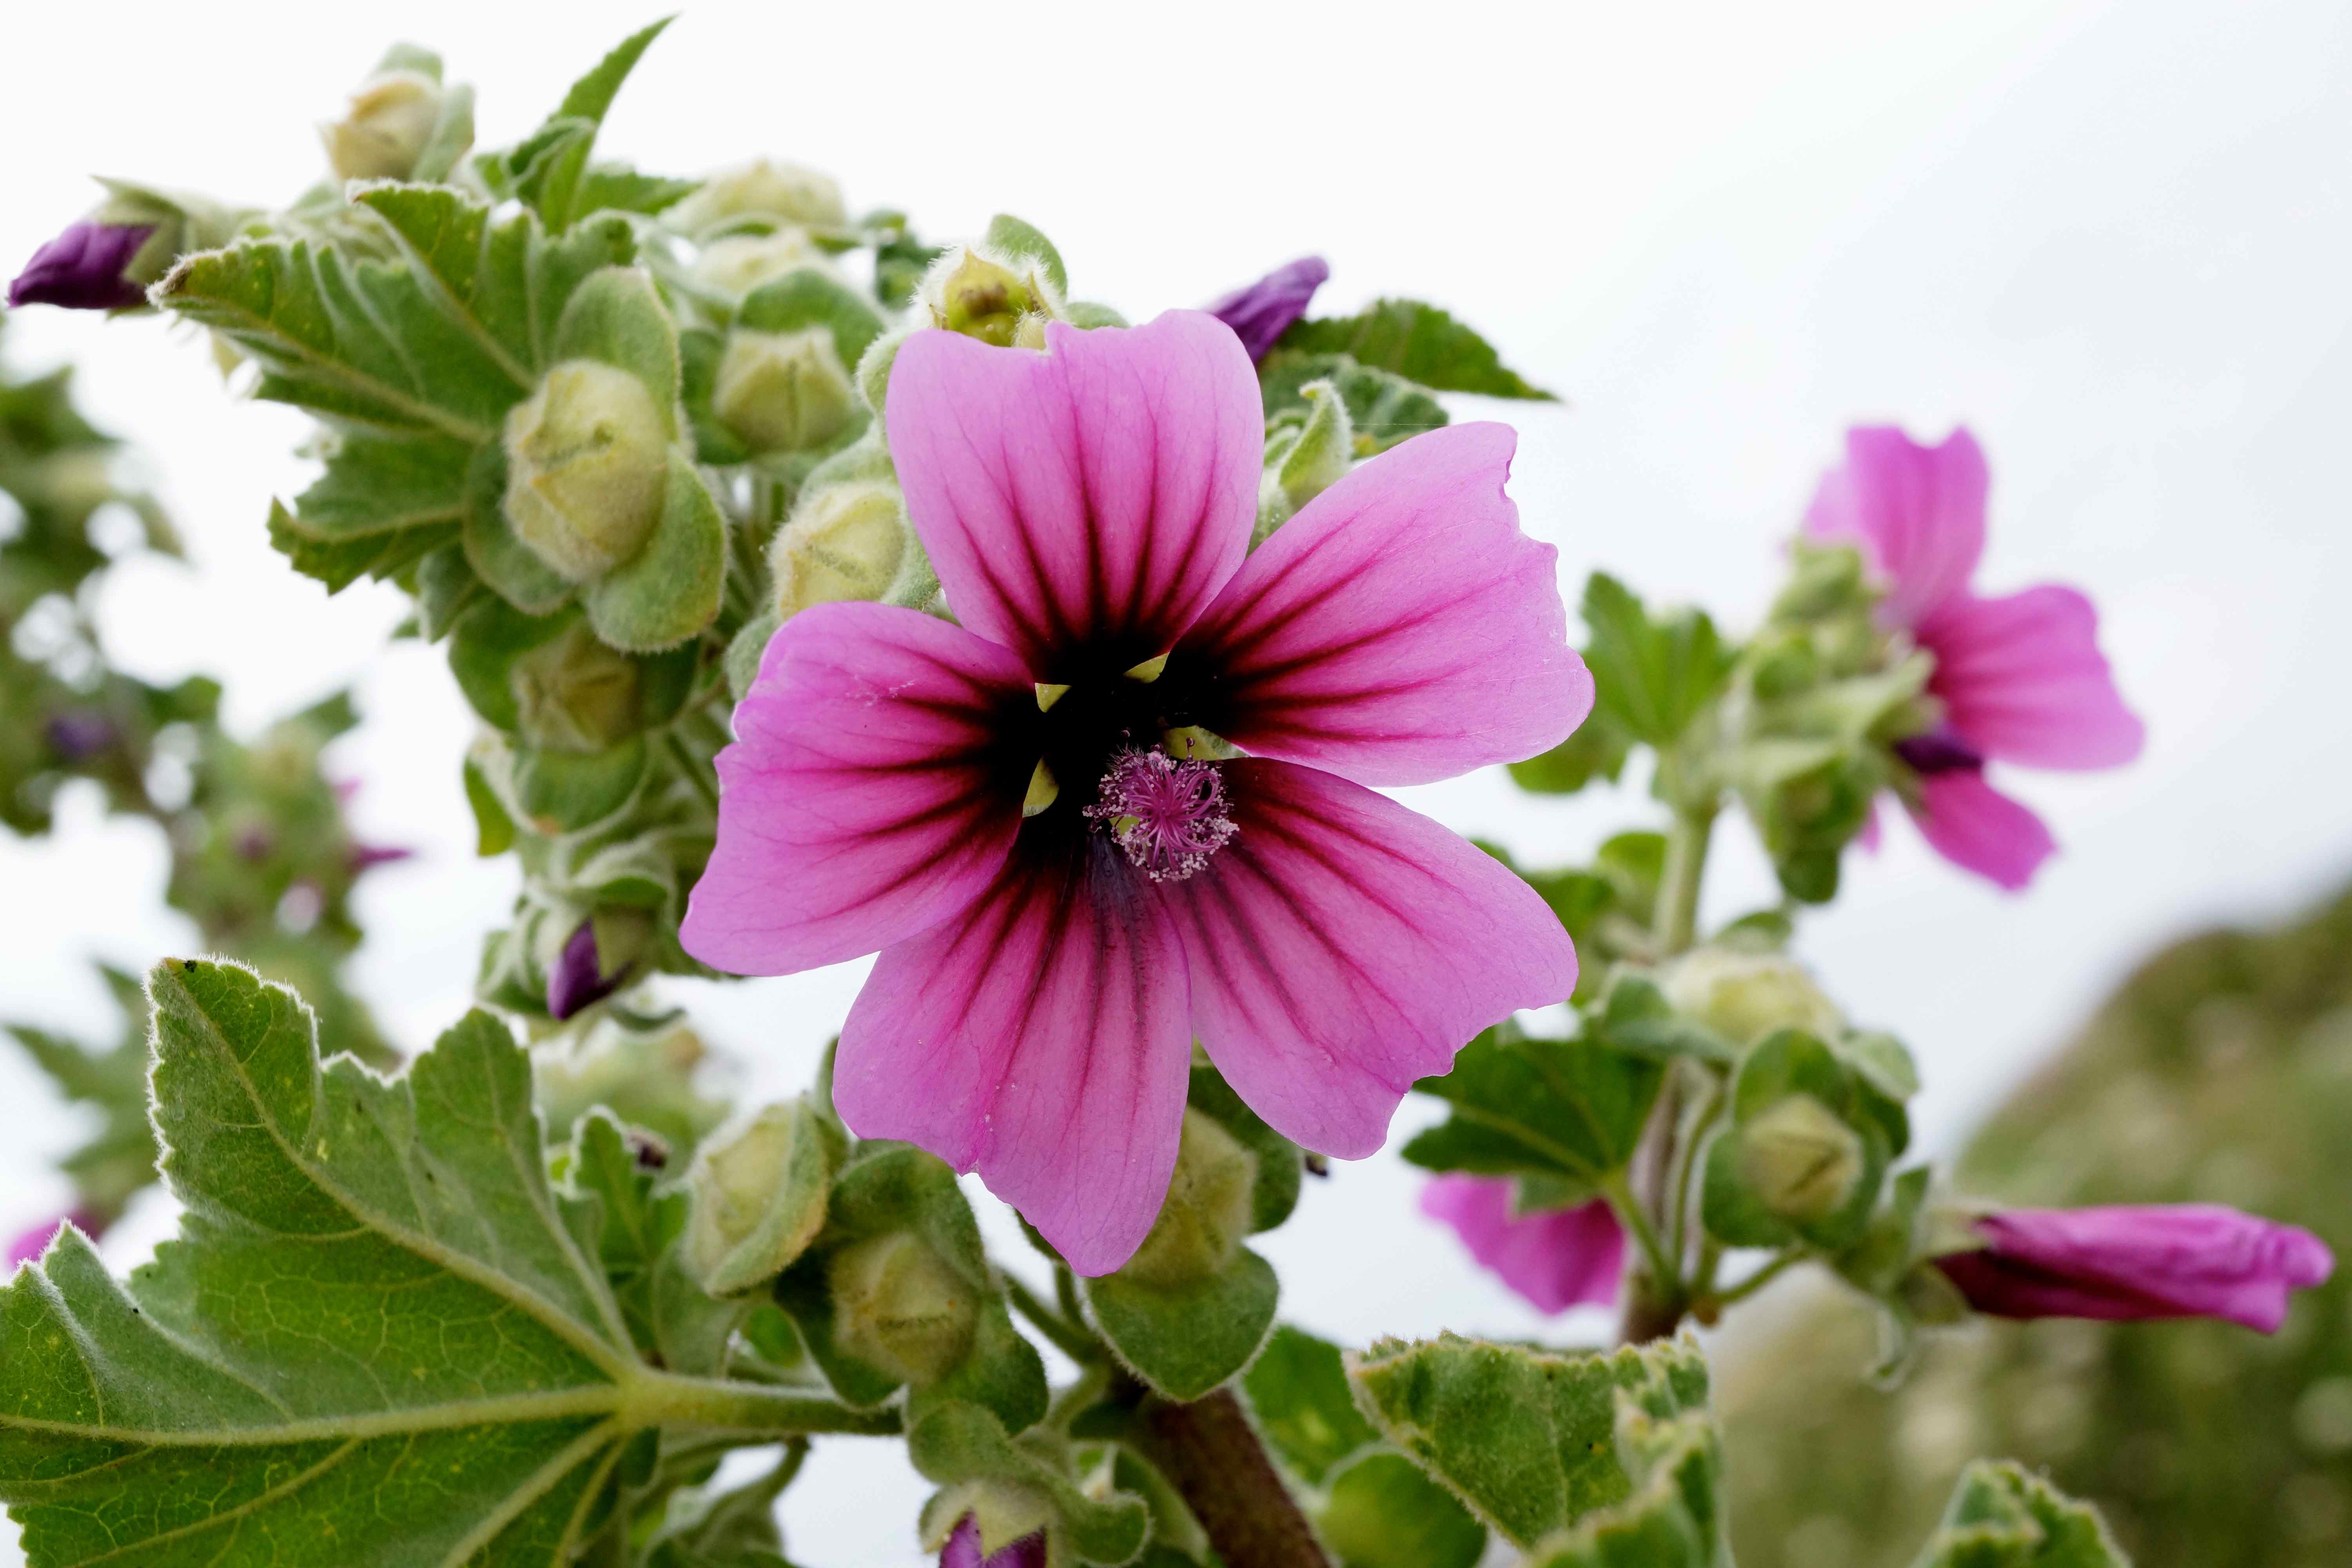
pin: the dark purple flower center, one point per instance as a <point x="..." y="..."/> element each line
<point x="1940" y="750"/>
<point x="1169" y="816"/>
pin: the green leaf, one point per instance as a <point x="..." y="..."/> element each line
<point x="446" y="589"/>
<point x="375" y="486"/>
<point x="548" y="170"/>
<point x="2002" y="1516"/>
<point x="118" y="1160"/>
<point x="670" y="589"/>
<point x="496" y="552"/>
<point x="340" y="564"/>
<point x="1014" y="237"/>
<point x="1297" y="1388"/>
<point x="1650" y="675"/>
<point x="615" y="187"/>
<point x="1185" y="1338"/>
<point x="1382" y="1512"/>
<point x="1597" y="750"/>
<point x="961" y="1446"/>
<point x="805" y="298"/>
<point x="1525" y="1438"/>
<point x="1571" y="1109"/>
<point x="616" y="317"/>
<point x="381" y="1330"/>
<point x="1420" y="343"/>
<point x="1637" y="1017"/>
<point x="1383" y="409"/>
<point x="1674" y="1517"/>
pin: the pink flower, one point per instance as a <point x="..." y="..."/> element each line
<point x="1063" y="902"/>
<point x="32" y="1243"/>
<point x="1557" y="1259"/>
<point x="2152" y="1260"/>
<point x="963" y="1549"/>
<point x="1262" y="311"/>
<point x="2020" y="676"/>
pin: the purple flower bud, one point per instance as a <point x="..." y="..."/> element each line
<point x="80" y="734"/>
<point x="1262" y="312"/>
<point x="1942" y="749"/>
<point x="963" y="1549"/>
<point x="363" y="856"/>
<point x="578" y="980"/>
<point x="84" y="268"/>
<point x="2131" y="1262"/>
<point x="35" y="1241"/>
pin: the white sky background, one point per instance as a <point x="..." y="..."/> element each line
<point x="2116" y="240"/>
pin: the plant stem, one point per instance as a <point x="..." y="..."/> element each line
<point x="1676" y="921"/>
<point x="1069" y="1338"/>
<point x="1211" y="1456"/>
<point x="1761" y="1278"/>
<point x="713" y="1405"/>
<point x="1630" y="1214"/>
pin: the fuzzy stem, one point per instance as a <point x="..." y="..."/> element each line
<point x="1068" y="1338"/>
<point x="1211" y="1456"/>
<point x="1676" y="922"/>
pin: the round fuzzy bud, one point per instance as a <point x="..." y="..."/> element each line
<point x="389" y="120"/>
<point x="1744" y="997"/>
<point x="759" y="1197"/>
<point x="1800" y="1159"/>
<point x="1207" y="1212"/>
<point x="741" y="262"/>
<point x="844" y="541"/>
<point x="898" y="1306"/>
<point x="783" y="191"/>
<point x="1003" y="301"/>
<point x="586" y="456"/>
<point x="574" y="694"/>
<point x="783" y="392"/>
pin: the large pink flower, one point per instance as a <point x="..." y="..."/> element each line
<point x="2020" y="676"/>
<point x="1556" y="1259"/>
<point x="1043" y="977"/>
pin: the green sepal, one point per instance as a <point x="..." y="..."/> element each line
<point x="497" y="554"/>
<point x="1014" y="237"/>
<point x="2003" y="1516"/>
<point x="618" y="318"/>
<point x="746" y="647"/>
<point x="1418" y="341"/>
<point x="494" y="829"/>
<point x="700" y="349"/>
<point x="1087" y="315"/>
<point x="446" y="589"/>
<point x="1382" y="1511"/>
<point x="1280" y="1166"/>
<point x="1526" y="1438"/>
<point x="1784" y="1063"/>
<point x="960" y="1445"/>
<point x="805" y="298"/>
<point x="1382" y="409"/>
<point x="671" y="588"/>
<point x="563" y="792"/>
<point x="1570" y="1109"/>
<point x="451" y="139"/>
<point x="1297" y="1388"/>
<point x="1185" y="1338"/>
<point x="759" y="1196"/>
<point x="634" y="1229"/>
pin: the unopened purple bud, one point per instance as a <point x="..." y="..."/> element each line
<point x="363" y="856"/>
<point x="1942" y="749"/>
<point x="2137" y="1262"/>
<point x="1262" y="312"/>
<point x="578" y="982"/>
<point x="35" y="1241"/>
<point x="84" y="268"/>
<point x="80" y="735"/>
<point x="963" y="1549"/>
<point x="253" y="843"/>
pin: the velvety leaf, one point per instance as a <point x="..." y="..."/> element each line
<point x="1014" y="237"/>
<point x="341" y="562"/>
<point x="1418" y="341"/>
<point x="805" y="298"/>
<point x="1297" y="1388"/>
<point x="1185" y="1339"/>
<point x="1650" y="675"/>
<point x="614" y="188"/>
<point x="548" y="170"/>
<point x="2003" y="1516"/>
<point x="1383" y="409"/>
<point x="375" y="486"/>
<point x="1381" y="1511"/>
<point x="1572" y="1109"/>
<point x="670" y="589"/>
<point x="1597" y="750"/>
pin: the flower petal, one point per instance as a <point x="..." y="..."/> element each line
<point x="1260" y="313"/>
<point x="1038" y="1039"/>
<point x="1400" y="629"/>
<point x="865" y="799"/>
<point x="1557" y="1259"/>
<point x="1918" y="514"/>
<point x="1340" y="947"/>
<point x="1979" y="829"/>
<point x="2145" y="1260"/>
<point x="2022" y="678"/>
<point x="1080" y="505"/>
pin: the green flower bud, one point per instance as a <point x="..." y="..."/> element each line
<point x="759" y="1198"/>
<point x="739" y="263"/>
<point x="390" y="119"/>
<point x="844" y="541"/>
<point x="873" y="368"/>
<point x="573" y="694"/>
<point x="898" y="1306"/>
<point x="587" y="454"/>
<point x="1744" y="997"/>
<point x="1207" y="1212"/>
<point x="1799" y="1160"/>
<point x="997" y="297"/>
<point x="783" y="392"/>
<point x="1308" y="462"/>
<point x="785" y="193"/>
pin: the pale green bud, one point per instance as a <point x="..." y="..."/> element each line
<point x="898" y="1306"/>
<point x="574" y="694"/>
<point x="1313" y="460"/>
<point x="739" y="263"/>
<point x="1799" y="1160"/>
<point x="759" y="1198"/>
<point x="1744" y="997"/>
<point x="390" y="120"/>
<point x="1207" y="1212"/>
<point x="783" y="191"/>
<point x="783" y="392"/>
<point x="999" y="299"/>
<point x="587" y="454"/>
<point x="842" y="541"/>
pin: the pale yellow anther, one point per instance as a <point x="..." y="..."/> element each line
<point x="1148" y="670"/>
<point x="1048" y="694"/>
<point x="1042" y="791"/>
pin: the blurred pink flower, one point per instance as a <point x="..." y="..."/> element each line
<point x="924" y="787"/>
<point x="32" y="1243"/>
<point x="2019" y="676"/>
<point x="1556" y="1259"/>
<point x="2152" y="1260"/>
